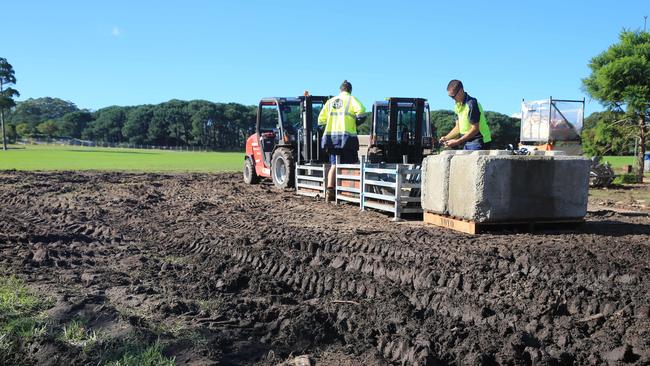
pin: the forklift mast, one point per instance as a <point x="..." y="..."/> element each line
<point x="309" y="136"/>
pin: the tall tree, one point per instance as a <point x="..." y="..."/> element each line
<point x="38" y="110"/>
<point x="7" y="94"/>
<point x="620" y="79"/>
<point x="608" y="133"/>
<point x="107" y="126"/>
<point x="72" y="124"/>
<point x="179" y="123"/>
<point x="204" y="115"/>
<point x="23" y="130"/>
<point x="137" y="124"/>
<point x="158" y="126"/>
<point x="237" y="118"/>
<point x="48" y="128"/>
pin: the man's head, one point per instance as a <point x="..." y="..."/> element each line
<point x="455" y="90"/>
<point x="346" y="86"/>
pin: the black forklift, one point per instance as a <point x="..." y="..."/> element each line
<point x="400" y="137"/>
<point x="286" y="132"/>
<point x="401" y="131"/>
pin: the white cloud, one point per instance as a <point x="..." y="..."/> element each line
<point x="516" y="115"/>
<point x="116" y="31"/>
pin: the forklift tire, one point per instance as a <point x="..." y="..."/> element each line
<point x="283" y="168"/>
<point x="250" y="176"/>
<point x="375" y="155"/>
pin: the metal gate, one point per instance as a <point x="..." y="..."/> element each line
<point x="311" y="179"/>
<point x="393" y="188"/>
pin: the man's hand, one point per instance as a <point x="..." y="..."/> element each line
<point x="452" y="142"/>
<point x="443" y="139"/>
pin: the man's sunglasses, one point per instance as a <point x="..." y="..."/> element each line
<point x="455" y="94"/>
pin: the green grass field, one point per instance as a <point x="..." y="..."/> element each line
<point x="620" y="161"/>
<point x="38" y="157"/>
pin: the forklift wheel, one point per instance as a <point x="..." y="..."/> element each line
<point x="250" y="176"/>
<point x="283" y="168"/>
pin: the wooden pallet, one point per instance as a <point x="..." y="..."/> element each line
<point x="471" y="227"/>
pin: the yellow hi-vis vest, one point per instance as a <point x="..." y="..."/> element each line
<point x="339" y="115"/>
<point x="464" y="125"/>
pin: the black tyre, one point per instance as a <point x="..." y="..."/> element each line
<point x="283" y="168"/>
<point x="250" y="176"/>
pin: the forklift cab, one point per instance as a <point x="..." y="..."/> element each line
<point x="276" y="119"/>
<point x="291" y="122"/>
<point x="287" y="127"/>
<point x="400" y="127"/>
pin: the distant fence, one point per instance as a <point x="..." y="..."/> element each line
<point x="78" y="142"/>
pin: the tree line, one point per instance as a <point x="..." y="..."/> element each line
<point x="225" y="125"/>
<point x="219" y="126"/>
<point x="178" y="123"/>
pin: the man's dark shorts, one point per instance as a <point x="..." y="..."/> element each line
<point x="476" y="144"/>
<point x="346" y="156"/>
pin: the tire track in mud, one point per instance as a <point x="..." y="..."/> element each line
<point x="428" y="289"/>
<point x="307" y="281"/>
<point x="422" y="300"/>
<point x="412" y="294"/>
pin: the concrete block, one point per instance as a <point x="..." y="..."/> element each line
<point x="485" y="188"/>
<point x="548" y="153"/>
<point x="485" y="152"/>
<point x="435" y="180"/>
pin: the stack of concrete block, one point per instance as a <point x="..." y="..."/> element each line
<point x="435" y="180"/>
<point x="489" y="186"/>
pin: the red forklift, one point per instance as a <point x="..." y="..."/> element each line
<point x="286" y="132"/>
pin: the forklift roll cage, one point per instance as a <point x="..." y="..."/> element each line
<point x="294" y="136"/>
<point x="416" y="140"/>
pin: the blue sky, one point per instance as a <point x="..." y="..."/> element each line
<point x="97" y="54"/>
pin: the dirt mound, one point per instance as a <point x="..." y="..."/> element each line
<point x="219" y="272"/>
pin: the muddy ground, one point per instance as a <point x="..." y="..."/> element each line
<point x="224" y="273"/>
<point x="628" y="197"/>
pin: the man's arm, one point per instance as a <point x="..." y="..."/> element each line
<point x="324" y="112"/>
<point x="451" y="134"/>
<point x="356" y="107"/>
<point x="474" y="119"/>
<point x="469" y="135"/>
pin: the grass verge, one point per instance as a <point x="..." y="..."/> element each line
<point x="21" y="318"/>
<point x="76" y="334"/>
<point x="37" y="157"/>
<point x="143" y="356"/>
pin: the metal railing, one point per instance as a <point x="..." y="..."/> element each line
<point x="349" y="182"/>
<point x="393" y="188"/>
<point x="311" y="179"/>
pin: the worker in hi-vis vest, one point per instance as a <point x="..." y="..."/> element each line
<point x="340" y="116"/>
<point x="471" y="123"/>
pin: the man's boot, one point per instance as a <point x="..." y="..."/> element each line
<point x="330" y="195"/>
